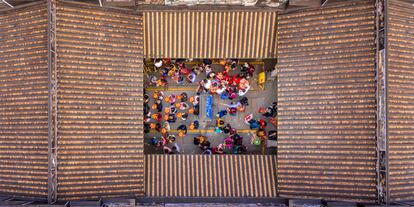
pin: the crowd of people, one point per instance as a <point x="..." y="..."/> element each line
<point x="222" y="83"/>
<point x="176" y="107"/>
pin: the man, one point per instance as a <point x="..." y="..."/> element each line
<point x="158" y="63"/>
<point x="221" y="113"/>
<point x="196" y="109"/>
<point x="182" y="130"/>
<point x="175" y="149"/>
<point x="183" y="97"/>
<point x="158" y="104"/>
<point x="194" y="125"/>
<point x="199" y="139"/>
<point x="254" y="124"/>
<point x="227" y="128"/>
<point x="244" y="101"/>
<point x="171" y="118"/>
<point x="167" y="150"/>
<point x="191" y="77"/>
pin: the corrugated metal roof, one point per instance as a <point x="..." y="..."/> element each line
<point x="23" y="102"/>
<point x="209" y="34"/>
<point x="100" y="92"/>
<point x="327" y="103"/>
<point x="210" y="176"/>
<point x="401" y="99"/>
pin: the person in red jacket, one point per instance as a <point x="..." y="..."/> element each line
<point x="263" y="124"/>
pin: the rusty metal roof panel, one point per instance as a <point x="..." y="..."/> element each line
<point x="209" y="34"/>
<point x="210" y="176"/>
<point x="326" y="103"/>
<point x="23" y="102"/>
<point x="401" y="99"/>
<point x="100" y="99"/>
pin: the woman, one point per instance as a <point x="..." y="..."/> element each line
<point x="228" y="142"/>
<point x="218" y="150"/>
<point x="220" y="89"/>
<point x="195" y="99"/>
<point x="243" y="88"/>
<point x="171" y="99"/>
<point x="183" y="106"/>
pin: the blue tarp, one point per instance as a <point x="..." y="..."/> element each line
<point x="209" y="107"/>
